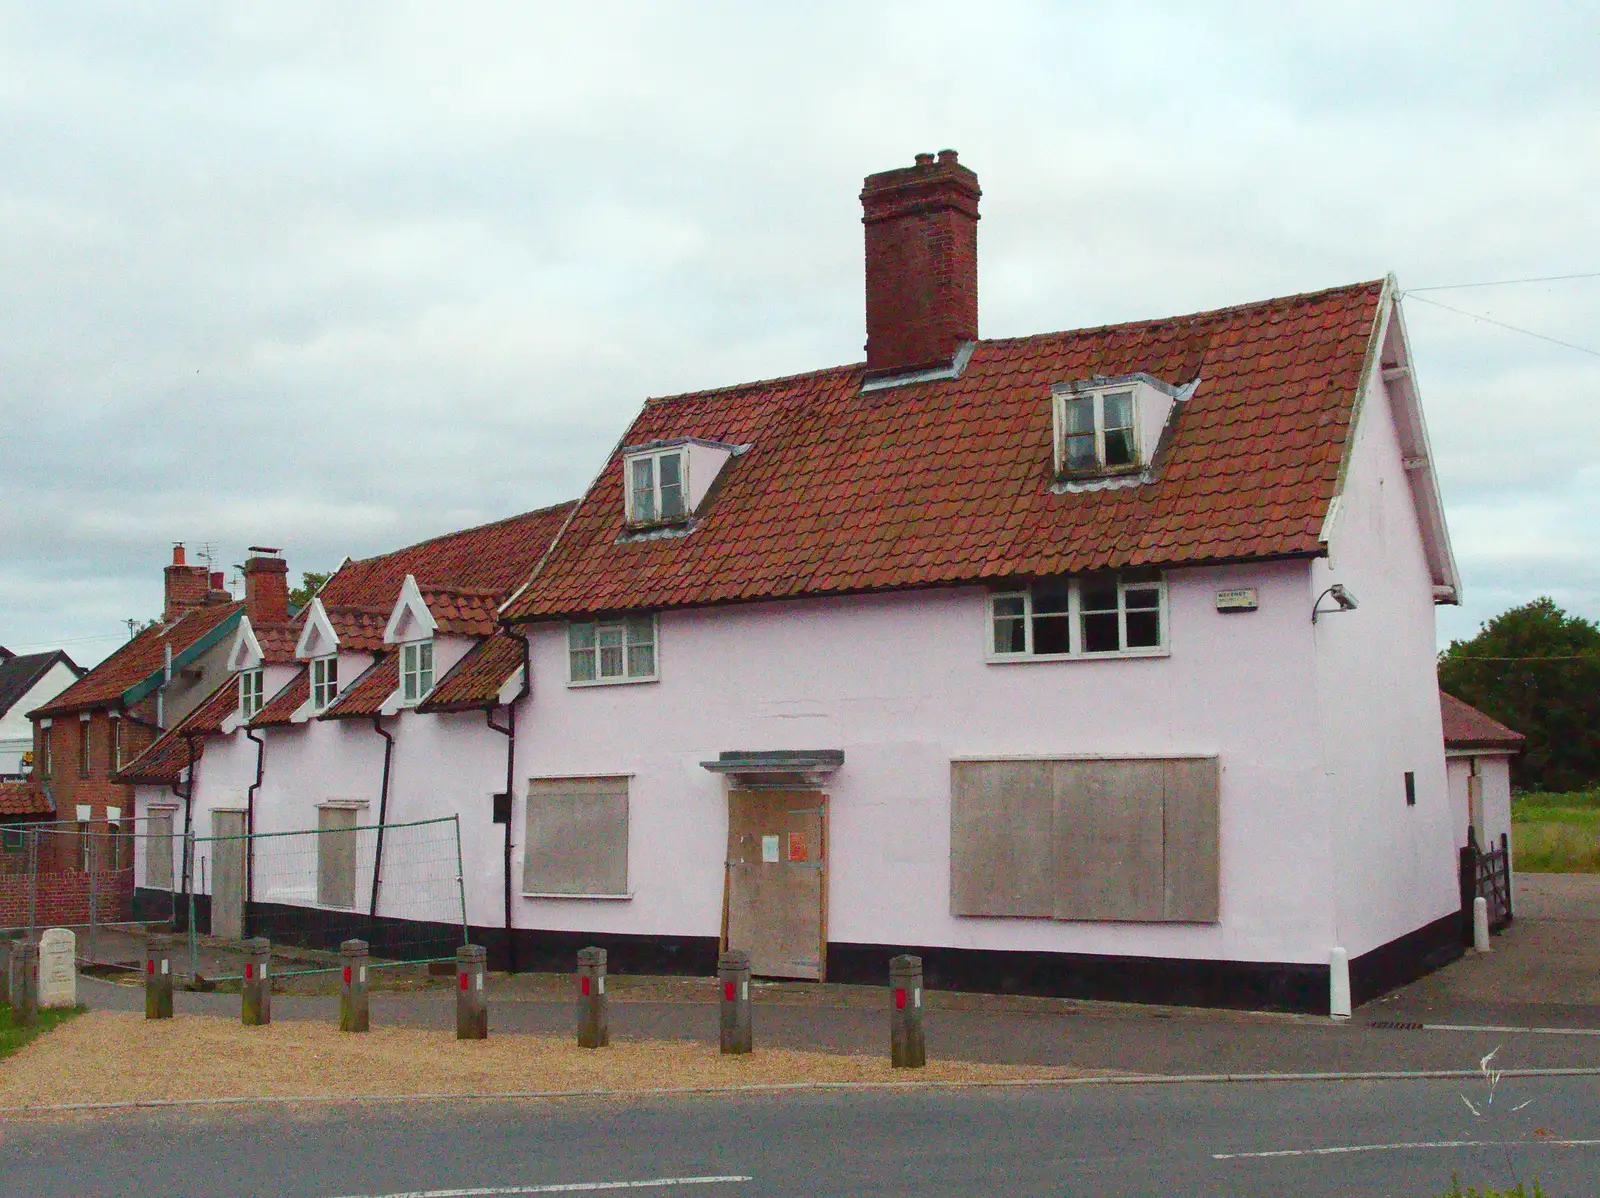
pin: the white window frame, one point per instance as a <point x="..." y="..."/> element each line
<point x="252" y="692"/>
<point x="654" y="457"/>
<point x="324" y="688"/>
<point x="624" y="627"/>
<point x="1074" y="614"/>
<point x="1097" y="397"/>
<point x="416" y="677"/>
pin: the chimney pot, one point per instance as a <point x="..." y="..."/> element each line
<point x="921" y="264"/>
<point x="178" y="557"/>
<point x="218" y="580"/>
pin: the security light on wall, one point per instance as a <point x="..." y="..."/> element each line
<point x="1340" y="594"/>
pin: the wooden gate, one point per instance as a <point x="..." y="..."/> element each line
<point x="775" y="896"/>
<point x="1486" y="874"/>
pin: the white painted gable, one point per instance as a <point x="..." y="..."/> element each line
<point x="410" y="620"/>
<point x="317" y="638"/>
<point x="245" y="652"/>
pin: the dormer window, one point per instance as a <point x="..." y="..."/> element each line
<point x="1096" y="432"/>
<point x="657" y="487"/>
<point x="324" y="682"/>
<point x="252" y="692"/>
<point x="416" y="671"/>
<point x="1111" y="426"/>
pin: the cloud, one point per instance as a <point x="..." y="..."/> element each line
<point x="342" y="277"/>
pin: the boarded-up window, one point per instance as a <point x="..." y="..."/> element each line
<point x="1085" y="840"/>
<point x="577" y="836"/>
<point x="336" y="856"/>
<point x="158" y="852"/>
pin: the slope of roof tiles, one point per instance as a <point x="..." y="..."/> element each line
<point x="1465" y="727"/>
<point x="491" y="558"/>
<point x="360" y="629"/>
<point x="277" y="642"/>
<point x="476" y="679"/>
<point x="951" y="481"/>
<point x="275" y="712"/>
<point x="19" y="672"/>
<point x="365" y="696"/>
<point x="137" y="660"/>
<point x="24" y="798"/>
<point x="164" y="761"/>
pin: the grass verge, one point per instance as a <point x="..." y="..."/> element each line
<point x="1552" y="838"/>
<point x="13" y="1037"/>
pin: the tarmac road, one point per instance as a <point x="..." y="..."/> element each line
<point x="1336" y="1138"/>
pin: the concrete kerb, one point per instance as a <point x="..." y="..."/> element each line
<point x="1131" y="1079"/>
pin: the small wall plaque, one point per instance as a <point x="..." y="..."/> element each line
<point x="1238" y="599"/>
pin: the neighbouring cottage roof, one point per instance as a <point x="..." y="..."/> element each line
<point x="365" y="696"/>
<point x="164" y="761"/>
<point x="138" y="667"/>
<point x="475" y="681"/>
<point x="275" y="712"/>
<point x="24" y="798"/>
<point x="489" y="559"/>
<point x="20" y="672"/>
<point x="952" y="480"/>
<point x="1465" y="727"/>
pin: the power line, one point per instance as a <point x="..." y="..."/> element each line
<point x="1582" y="349"/>
<point x="1506" y="282"/>
<point x="1541" y="657"/>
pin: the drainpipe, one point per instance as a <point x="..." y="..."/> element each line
<point x="187" y="795"/>
<point x="510" y="733"/>
<point x="250" y="826"/>
<point x="383" y="812"/>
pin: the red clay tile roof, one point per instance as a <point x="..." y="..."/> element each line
<point x="163" y="762"/>
<point x="950" y="481"/>
<point x="139" y="659"/>
<point x="493" y="558"/>
<point x="275" y="712"/>
<point x="367" y="693"/>
<point x="1465" y="727"/>
<point x="24" y="798"/>
<point x="277" y="642"/>
<point x="476" y="679"/>
<point x="464" y="611"/>
<point x="360" y="629"/>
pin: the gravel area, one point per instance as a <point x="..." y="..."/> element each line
<point x="115" y="1056"/>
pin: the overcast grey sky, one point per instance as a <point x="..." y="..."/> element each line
<point x="337" y="277"/>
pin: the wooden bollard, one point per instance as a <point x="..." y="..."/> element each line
<point x="733" y="976"/>
<point x="25" y="984"/>
<point x="353" y="987"/>
<point x="472" y="1008"/>
<point x="594" y="1028"/>
<point x="158" y="977"/>
<point x="8" y="967"/>
<point x="256" y="1008"/>
<point x="907" y="1049"/>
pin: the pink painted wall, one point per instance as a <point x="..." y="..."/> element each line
<point x="1377" y="693"/>
<point x="901" y="684"/>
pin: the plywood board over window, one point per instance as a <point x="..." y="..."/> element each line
<point x="1091" y="839"/>
<point x="577" y="842"/>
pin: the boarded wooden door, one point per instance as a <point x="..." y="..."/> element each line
<point x="227" y="876"/>
<point x="336" y="857"/>
<point x="159" y="848"/>
<point x="775" y="903"/>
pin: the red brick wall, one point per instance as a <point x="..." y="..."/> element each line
<point x="97" y="790"/>
<point x="63" y="898"/>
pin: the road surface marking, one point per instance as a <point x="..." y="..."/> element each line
<point x="574" y="1187"/>
<point x="1351" y="1148"/>
<point x="1540" y="1031"/>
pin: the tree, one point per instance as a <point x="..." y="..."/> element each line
<point x="310" y="582"/>
<point x="1536" y="669"/>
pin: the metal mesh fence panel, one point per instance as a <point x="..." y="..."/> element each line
<point x="399" y="887"/>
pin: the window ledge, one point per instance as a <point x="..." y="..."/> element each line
<point x="1024" y="659"/>
<point x="608" y="898"/>
<point x="585" y="684"/>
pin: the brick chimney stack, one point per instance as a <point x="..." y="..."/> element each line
<point x="266" y="586"/>
<point x="922" y="264"/>
<point x="186" y="586"/>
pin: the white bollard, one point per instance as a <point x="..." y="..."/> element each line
<point x="1339" y="983"/>
<point x="1480" y="924"/>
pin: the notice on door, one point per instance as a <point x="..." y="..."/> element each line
<point x="797" y="846"/>
<point x="769" y="849"/>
